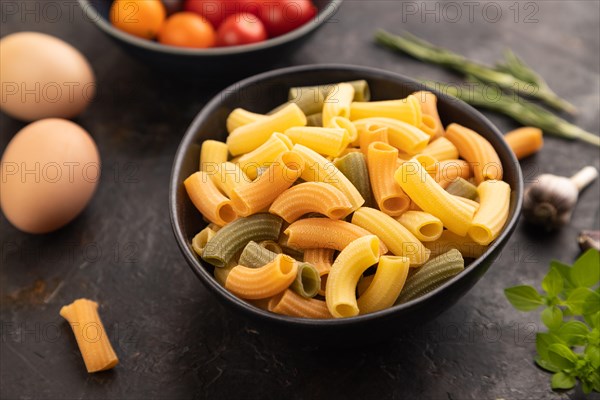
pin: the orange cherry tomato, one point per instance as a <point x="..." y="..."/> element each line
<point x="187" y="29"/>
<point x="141" y="18"/>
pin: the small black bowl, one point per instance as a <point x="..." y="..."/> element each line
<point x="224" y="63"/>
<point x="263" y="92"/>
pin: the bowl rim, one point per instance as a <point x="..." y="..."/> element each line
<point x="267" y="316"/>
<point x="93" y="15"/>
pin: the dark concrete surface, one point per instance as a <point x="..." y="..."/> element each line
<point x="173" y="339"/>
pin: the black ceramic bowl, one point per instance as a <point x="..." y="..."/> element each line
<point x="220" y="62"/>
<point x="263" y="92"/>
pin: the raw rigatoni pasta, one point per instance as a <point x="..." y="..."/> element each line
<point x="308" y="280"/>
<point x="310" y="197"/>
<point x="370" y="133"/>
<point x="425" y="227"/>
<point x="326" y="141"/>
<point x="347" y="269"/>
<point x="475" y="149"/>
<point x="347" y="125"/>
<point x="250" y="136"/>
<point x="354" y="167"/>
<point x="207" y="198"/>
<point x="432" y="198"/>
<point x="385" y="285"/>
<point x="381" y="161"/>
<point x="428" y="102"/>
<point x="407" y="110"/>
<point x="449" y="171"/>
<point x="263" y="282"/>
<point x="403" y="136"/>
<point x="337" y="102"/>
<point x="240" y="117"/>
<point x="441" y="149"/>
<point x="229" y="176"/>
<point x="396" y="237"/>
<point x="264" y="155"/>
<point x="492" y="213"/>
<point x="92" y="339"/>
<point x="255" y="255"/>
<point x="525" y="141"/>
<point x="463" y="188"/>
<point x="464" y="244"/>
<point x="233" y="237"/>
<point x="200" y="241"/>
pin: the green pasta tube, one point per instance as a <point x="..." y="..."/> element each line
<point x="354" y="167"/>
<point x="314" y="119"/>
<point x="462" y="188"/>
<point x="307" y="282"/>
<point x="234" y="236"/>
<point x="432" y="275"/>
<point x="256" y="256"/>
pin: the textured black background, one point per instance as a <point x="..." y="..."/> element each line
<point x="173" y="339"/>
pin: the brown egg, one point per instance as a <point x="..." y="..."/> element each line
<point x="43" y="77"/>
<point x="50" y="170"/>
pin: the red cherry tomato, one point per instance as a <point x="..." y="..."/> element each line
<point x="216" y="11"/>
<point x="242" y="28"/>
<point x="284" y="16"/>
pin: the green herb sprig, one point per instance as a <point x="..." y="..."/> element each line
<point x="570" y="349"/>
<point x="512" y="75"/>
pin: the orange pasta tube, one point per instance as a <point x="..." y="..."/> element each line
<point x="403" y="136"/>
<point x="307" y="197"/>
<point x="477" y="151"/>
<point x="263" y="282"/>
<point x="322" y="259"/>
<point x="525" y="141"/>
<point x="382" y="159"/>
<point x="450" y="170"/>
<point x="208" y="199"/>
<point x="428" y="125"/>
<point x="441" y="149"/>
<point x="311" y="233"/>
<point x="370" y="133"/>
<point x="428" y="102"/>
<point x="93" y="342"/>
<point x="257" y="196"/>
<point x="293" y="305"/>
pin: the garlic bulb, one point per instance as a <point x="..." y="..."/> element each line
<point x="549" y="202"/>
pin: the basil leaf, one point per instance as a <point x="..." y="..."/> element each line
<point x="564" y="270"/>
<point x="592" y="353"/>
<point x="547" y="365"/>
<point x="577" y="299"/>
<point x="543" y="342"/>
<point x="552" y="317"/>
<point x="574" y="333"/>
<point x="586" y="270"/>
<point x="560" y="380"/>
<point x="524" y="298"/>
<point x="553" y="283"/>
<point x="561" y="356"/>
<point x="593" y="319"/>
<point x="591" y="304"/>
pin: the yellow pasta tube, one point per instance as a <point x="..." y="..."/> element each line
<point x="327" y="141"/>
<point x="477" y="151"/>
<point x="428" y="125"/>
<point x="370" y="133"/>
<point x="464" y="244"/>
<point x="471" y="203"/>
<point x="428" y="102"/>
<point x="386" y="285"/>
<point x="347" y="269"/>
<point x="396" y="237"/>
<point x="432" y="198"/>
<point x="525" y="141"/>
<point x="407" y="110"/>
<point x="441" y="149"/>
<point x="229" y="176"/>
<point x="93" y="342"/>
<point x="337" y="102"/>
<point x="310" y="233"/>
<point x="265" y="154"/>
<point x="240" y="117"/>
<point x="263" y="282"/>
<point x="212" y="154"/>
<point x="402" y="135"/>
<point x="294" y="305"/>
<point x="449" y="171"/>
<point x="253" y="197"/>
<point x="424" y="226"/>
<point x="309" y="197"/>
<point x="319" y="169"/>
<point x="381" y="162"/>
<point x="344" y="123"/>
<point x="492" y="213"/>
<point x="208" y="199"/>
<point x="250" y="136"/>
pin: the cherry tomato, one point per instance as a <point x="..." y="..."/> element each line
<point x="242" y="28"/>
<point x="186" y="29"/>
<point x="217" y="10"/>
<point x="284" y="16"/>
<point x="173" y="6"/>
<point x="142" y="18"/>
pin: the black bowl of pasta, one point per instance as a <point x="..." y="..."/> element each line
<point x="341" y="203"/>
